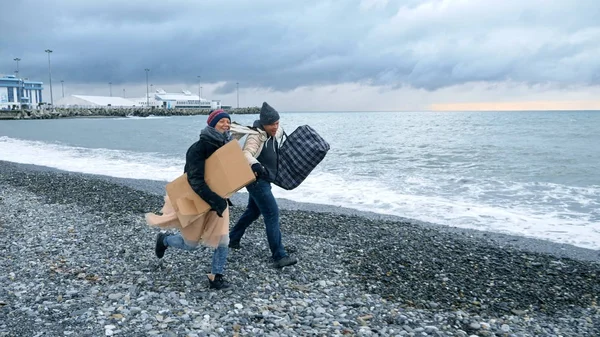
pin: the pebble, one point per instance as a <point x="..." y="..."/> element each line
<point x="475" y="326"/>
<point x="347" y="282"/>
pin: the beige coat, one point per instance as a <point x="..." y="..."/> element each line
<point x="208" y="228"/>
<point x="255" y="141"/>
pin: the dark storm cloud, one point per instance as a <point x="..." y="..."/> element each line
<point x="282" y="45"/>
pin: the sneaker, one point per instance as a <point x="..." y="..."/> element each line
<point x="160" y="245"/>
<point x="219" y="283"/>
<point x="234" y="244"/>
<point x="285" y="261"/>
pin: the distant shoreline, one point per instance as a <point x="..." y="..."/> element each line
<point x="518" y="106"/>
<point x="68" y="113"/>
<point x="108" y="112"/>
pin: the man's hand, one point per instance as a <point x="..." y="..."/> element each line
<point x="259" y="170"/>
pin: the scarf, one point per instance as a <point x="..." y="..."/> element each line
<point x="215" y="136"/>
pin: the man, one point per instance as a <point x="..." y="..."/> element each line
<point x="262" y="151"/>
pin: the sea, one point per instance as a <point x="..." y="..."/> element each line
<point x="533" y="174"/>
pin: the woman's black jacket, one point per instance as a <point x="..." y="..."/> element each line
<point x="195" y="159"/>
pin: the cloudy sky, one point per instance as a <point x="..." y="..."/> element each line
<point x="314" y="55"/>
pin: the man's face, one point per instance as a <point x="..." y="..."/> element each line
<point x="271" y="128"/>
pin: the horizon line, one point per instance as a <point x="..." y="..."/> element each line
<point x="515" y="110"/>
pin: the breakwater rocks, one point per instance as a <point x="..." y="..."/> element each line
<point x="115" y="112"/>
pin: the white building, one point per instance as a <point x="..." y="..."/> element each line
<point x="146" y="101"/>
<point x="84" y="101"/>
<point x="158" y="99"/>
<point x="16" y="92"/>
<point x="185" y="99"/>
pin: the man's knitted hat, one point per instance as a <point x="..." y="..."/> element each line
<point x="268" y="115"/>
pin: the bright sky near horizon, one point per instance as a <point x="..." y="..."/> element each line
<point x="316" y="54"/>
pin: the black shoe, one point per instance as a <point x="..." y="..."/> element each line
<point x="219" y="283"/>
<point x="234" y="244"/>
<point x="285" y="261"/>
<point x="160" y="245"/>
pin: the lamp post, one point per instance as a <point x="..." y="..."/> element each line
<point x="21" y="93"/>
<point x="151" y="87"/>
<point x="17" y="59"/>
<point x="17" y="76"/>
<point x="123" y="92"/>
<point x="237" y="89"/>
<point x="19" y="89"/>
<point x="20" y="82"/>
<point x="110" y="88"/>
<point x="199" y="92"/>
<point x="50" y="75"/>
<point x="62" y="84"/>
<point x="147" y="94"/>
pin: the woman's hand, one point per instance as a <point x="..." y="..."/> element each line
<point x="220" y="206"/>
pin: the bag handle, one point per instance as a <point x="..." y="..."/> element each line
<point x="283" y="140"/>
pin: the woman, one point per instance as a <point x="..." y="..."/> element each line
<point x="212" y="227"/>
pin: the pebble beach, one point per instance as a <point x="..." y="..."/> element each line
<point x="78" y="260"/>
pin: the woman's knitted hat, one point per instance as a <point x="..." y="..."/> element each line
<point x="215" y="116"/>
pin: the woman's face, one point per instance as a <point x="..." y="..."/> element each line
<point x="223" y="125"/>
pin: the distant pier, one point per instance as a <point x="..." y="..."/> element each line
<point x="114" y="112"/>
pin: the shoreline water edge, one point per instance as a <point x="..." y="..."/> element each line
<point x="78" y="259"/>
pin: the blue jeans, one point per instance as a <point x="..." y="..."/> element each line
<point x="219" y="256"/>
<point x="261" y="201"/>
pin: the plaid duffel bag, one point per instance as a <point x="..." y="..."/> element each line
<point x="299" y="154"/>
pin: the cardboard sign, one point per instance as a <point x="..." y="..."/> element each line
<point x="226" y="171"/>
